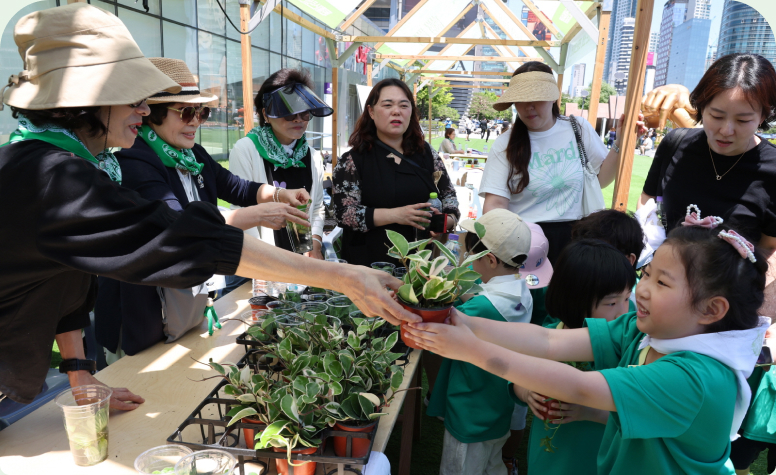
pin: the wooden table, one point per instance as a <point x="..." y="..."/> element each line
<point x="467" y="156"/>
<point x="167" y="376"/>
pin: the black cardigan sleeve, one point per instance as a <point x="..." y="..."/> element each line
<point x="229" y="187"/>
<point x="92" y="224"/>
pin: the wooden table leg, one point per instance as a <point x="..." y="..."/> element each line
<point x="410" y="421"/>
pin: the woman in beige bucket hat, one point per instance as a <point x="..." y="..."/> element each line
<point x="534" y="168"/>
<point x="67" y="218"/>
<point x="165" y="163"/>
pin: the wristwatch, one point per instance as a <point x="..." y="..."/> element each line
<point x="67" y="366"/>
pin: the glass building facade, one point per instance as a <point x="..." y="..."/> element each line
<point x="199" y="33"/>
<point x="744" y="30"/>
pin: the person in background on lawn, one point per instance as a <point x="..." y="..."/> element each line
<point x="448" y="123"/>
<point x="484" y="129"/>
<point x="448" y="144"/>
<point x="535" y="169"/>
<point x="475" y="404"/>
<point x="612" y="138"/>
<point x="603" y="293"/>
<point x="646" y="144"/>
<point x="468" y="125"/>
<point x="672" y="375"/>
<point x="758" y="432"/>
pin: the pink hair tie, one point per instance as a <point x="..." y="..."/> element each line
<point x="744" y="247"/>
<point x="694" y="219"/>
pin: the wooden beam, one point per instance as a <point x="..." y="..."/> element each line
<point x="415" y="93"/>
<point x="542" y="18"/>
<point x="432" y="40"/>
<point x="401" y="22"/>
<point x="564" y="50"/>
<point x="521" y="59"/>
<point x="369" y="74"/>
<point x="638" y="67"/>
<point x="247" y="69"/>
<point x="547" y="57"/>
<point x="598" y="67"/>
<point x="440" y="71"/>
<point x="495" y="35"/>
<point x="444" y="50"/>
<point x="474" y="86"/>
<point x="572" y="33"/>
<point x="294" y="18"/>
<point x="429" y="112"/>
<point x="335" y="106"/>
<point x="356" y="14"/>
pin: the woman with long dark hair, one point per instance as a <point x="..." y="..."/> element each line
<point x="384" y="181"/>
<point x="534" y="169"/>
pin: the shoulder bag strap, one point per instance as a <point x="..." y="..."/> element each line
<point x="672" y="145"/>
<point x="580" y="143"/>
<point x="419" y="170"/>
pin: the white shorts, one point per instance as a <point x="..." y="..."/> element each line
<point x="480" y="458"/>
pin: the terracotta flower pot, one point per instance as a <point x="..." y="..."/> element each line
<point x="432" y="315"/>
<point x="249" y="434"/>
<point x="358" y="446"/>
<point x="307" y="468"/>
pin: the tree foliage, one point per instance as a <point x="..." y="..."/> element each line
<point x="439" y="103"/>
<point x="482" y="106"/>
<point x="606" y="91"/>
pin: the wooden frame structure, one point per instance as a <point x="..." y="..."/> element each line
<point x="513" y="28"/>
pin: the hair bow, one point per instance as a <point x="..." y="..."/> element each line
<point x="693" y="218"/>
<point x="744" y="247"/>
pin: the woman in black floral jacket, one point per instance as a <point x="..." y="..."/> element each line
<point x="384" y="181"/>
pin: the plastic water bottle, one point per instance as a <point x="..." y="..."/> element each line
<point x="455" y="248"/>
<point x="435" y="203"/>
<point x="661" y="217"/>
<point x="485" y="148"/>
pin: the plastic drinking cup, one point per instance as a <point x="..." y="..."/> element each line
<point x="301" y="236"/>
<point x="384" y="266"/>
<point x="160" y="459"/>
<point x="318" y="308"/>
<point x="340" y="306"/>
<point x="85" y="411"/>
<point x="206" y="462"/>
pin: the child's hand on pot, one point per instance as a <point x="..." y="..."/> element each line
<point x="535" y="401"/>
<point x="451" y="339"/>
<point x="564" y="412"/>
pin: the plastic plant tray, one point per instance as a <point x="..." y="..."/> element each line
<point x="205" y="428"/>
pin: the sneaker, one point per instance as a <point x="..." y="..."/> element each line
<point x="511" y="465"/>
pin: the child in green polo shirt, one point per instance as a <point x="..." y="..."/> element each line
<point x="475" y="404"/>
<point x="568" y="441"/>
<point x="672" y="374"/>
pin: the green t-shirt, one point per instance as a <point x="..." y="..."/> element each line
<point x="475" y="404"/>
<point x="760" y="421"/>
<point x="576" y="446"/>
<point x="539" y="316"/>
<point x="673" y="415"/>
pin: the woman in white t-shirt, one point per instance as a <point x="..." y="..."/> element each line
<point x="534" y="168"/>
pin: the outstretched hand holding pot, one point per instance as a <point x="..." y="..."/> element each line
<point x="451" y="339"/>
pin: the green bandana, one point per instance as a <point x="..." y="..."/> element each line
<point x="182" y="159"/>
<point x="270" y="149"/>
<point x="67" y="140"/>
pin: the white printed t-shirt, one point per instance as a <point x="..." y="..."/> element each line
<point x="554" y="192"/>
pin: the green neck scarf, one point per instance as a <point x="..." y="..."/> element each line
<point x="171" y="157"/>
<point x="270" y="149"/>
<point x="67" y="140"/>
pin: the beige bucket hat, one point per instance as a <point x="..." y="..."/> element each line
<point x="506" y="234"/>
<point x="79" y="56"/>
<point x="177" y="70"/>
<point x="529" y="87"/>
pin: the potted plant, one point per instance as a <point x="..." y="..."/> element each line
<point x="429" y="290"/>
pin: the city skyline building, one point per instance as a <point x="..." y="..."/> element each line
<point x="687" y="62"/>
<point x="744" y="30"/>
<point x="673" y="15"/>
<point x="621" y="9"/>
<point x="711" y="56"/>
<point x="623" y="48"/>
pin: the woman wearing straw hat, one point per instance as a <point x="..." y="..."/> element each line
<point x="277" y="150"/>
<point x="71" y="219"/>
<point x="534" y="169"/>
<point x="166" y="164"/>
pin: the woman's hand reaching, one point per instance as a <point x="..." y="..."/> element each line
<point x="275" y="215"/>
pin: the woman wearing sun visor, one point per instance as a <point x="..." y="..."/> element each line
<point x="277" y="152"/>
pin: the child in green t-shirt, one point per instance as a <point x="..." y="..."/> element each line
<point x="605" y="291"/>
<point x="672" y="374"/>
<point x="476" y="404"/>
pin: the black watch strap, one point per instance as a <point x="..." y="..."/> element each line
<point x="67" y="366"/>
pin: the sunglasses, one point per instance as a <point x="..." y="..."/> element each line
<point x="188" y="113"/>
<point x="305" y="116"/>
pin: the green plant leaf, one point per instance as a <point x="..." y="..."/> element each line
<point x="247" y="412"/>
<point x="313" y="389"/>
<point x="467" y="275"/>
<point x="354" y="341"/>
<point x="217" y="367"/>
<point x="437" y="265"/>
<point x="366" y="405"/>
<point x="336" y="388"/>
<point x="391" y="340"/>
<point x="433" y="288"/>
<point x="372" y="398"/>
<point x="396" y="380"/>
<point x="376" y="415"/>
<point x="419" y="244"/>
<point x="273" y="430"/>
<point x="290" y="407"/>
<point x="407" y="294"/>
<point x="399" y="242"/>
<point x="473" y="258"/>
<point x="447" y="253"/>
<point x="479" y="229"/>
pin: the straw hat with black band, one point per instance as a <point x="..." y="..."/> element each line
<point x="177" y="70"/>
<point x="529" y="87"/>
<point x="80" y="56"/>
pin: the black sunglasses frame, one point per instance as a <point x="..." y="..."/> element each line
<point x="189" y="112"/>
